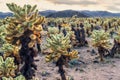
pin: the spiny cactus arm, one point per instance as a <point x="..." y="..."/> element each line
<point x="7" y="67"/>
<point x="6" y="48"/>
<point x="20" y="77"/>
<point x="10" y="66"/>
<point x="117" y="36"/>
<point x="2" y="34"/>
<point x="19" y="35"/>
<point x="5" y="78"/>
<point x="100" y="38"/>
<point x="21" y="12"/>
<point x="15" y="9"/>
<point x="59" y="45"/>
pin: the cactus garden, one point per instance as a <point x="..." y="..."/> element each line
<point x="36" y="47"/>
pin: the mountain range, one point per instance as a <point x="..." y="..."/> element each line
<point x="70" y="13"/>
<point x="84" y="13"/>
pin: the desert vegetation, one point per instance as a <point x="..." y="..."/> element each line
<point x="26" y="38"/>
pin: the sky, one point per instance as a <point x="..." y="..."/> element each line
<point x="92" y="5"/>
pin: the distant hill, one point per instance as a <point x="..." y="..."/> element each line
<point x="3" y="15"/>
<point x="67" y="13"/>
<point x="100" y="14"/>
<point x="47" y="12"/>
<point x="70" y="13"/>
<point x="86" y="13"/>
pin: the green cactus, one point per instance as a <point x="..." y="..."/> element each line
<point x="52" y="30"/>
<point x="116" y="47"/>
<point x="100" y="39"/>
<point x="2" y="34"/>
<point x="117" y="37"/>
<point x="7" y="67"/>
<point x="20" y="77"/>
<point x="24" y="31"/>
<point x="7" y="48"/>
<point x="59" y="45"/>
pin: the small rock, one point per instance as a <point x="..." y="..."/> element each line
<point x="70" y="78"/>
<point x="79" y="53"/>
<point x="93" y="52"/>
<point x="88" y="50"/>
<point x="76" y="69"/>
<point x="95" y="61"/>
<point x="81" y="70"/>
<point x="44" y="73"/>
<point x="73" y="63"/>
<point x="110" y="78"/>
<point x="44" y="79"/>
<point x="57" y="78"/>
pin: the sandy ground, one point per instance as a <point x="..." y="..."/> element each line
<point x="87" y="67"/>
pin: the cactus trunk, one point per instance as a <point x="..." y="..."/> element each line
<point x="115" y="48"/>
<point x="27" y="56"/>
<point x="101" y="53"/>
<point x="60" y="64"/>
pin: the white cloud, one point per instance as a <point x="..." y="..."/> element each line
<point x="66" y="4"/>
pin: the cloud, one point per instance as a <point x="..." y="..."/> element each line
<point x="113" y="8"/>
<point x="94" y="5"/>
<point x="117" y="4"/>
<point x="74" y="2"/>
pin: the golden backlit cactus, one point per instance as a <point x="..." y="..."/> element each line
<point x="65" y="25"/>
<point x="23" y="30"/>
<point x="2" y="34"/>
<point x="59" y="46"/>
<point x="87" y="25"/>
<point x="10" y="50"/>
<point x="117" y="37"/>
<point x="20" y="77"/>
<point x="70" y="33"/>
<point x="100" y="40"/>
<point x="7" y="67"/>
<point x="53" y="30"/>
<point x="25" y="18"/>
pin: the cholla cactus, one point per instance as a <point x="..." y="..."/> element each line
<point x="105" y="25"/>
<point x="23" y="32"/>
<point x="53" y="30"/>
<point x="6" y="48"/>
<point x="7" y="67"/>
<point x="70" y="33"/>
<point x="20" y="77"/>
<point x="2" y="34"/>
<point x="100" y="39"/>
<point x="87" y="27"/>
<point x="59" y="44"/>
<point x="10" y="50"/>
<point x="65" y="25"/>
<point x="117" y="37"/>
<point x="26" y="19"/>
<point x="116" y="46"/>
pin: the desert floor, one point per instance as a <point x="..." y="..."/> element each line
<point x="87" y="67"/>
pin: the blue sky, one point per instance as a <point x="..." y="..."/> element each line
<point x="93" y="5"/>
